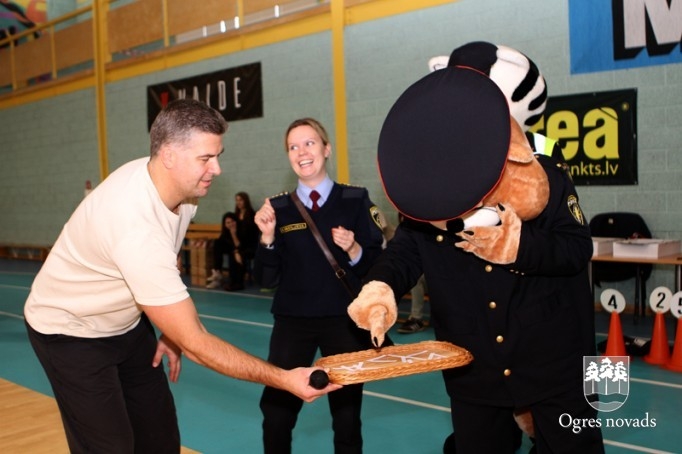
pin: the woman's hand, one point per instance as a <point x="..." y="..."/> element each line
<point x="265" y="220"/>
<point x="345" y="239"/>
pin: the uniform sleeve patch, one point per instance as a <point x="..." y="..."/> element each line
<point x="575" y="210"/>
<point x="375" y="213"/>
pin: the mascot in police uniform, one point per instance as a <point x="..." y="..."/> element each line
<point x="498" y="232"/>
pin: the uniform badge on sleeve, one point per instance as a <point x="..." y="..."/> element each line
<point x="575" y="210"/>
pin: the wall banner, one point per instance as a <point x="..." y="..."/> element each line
<point x="620" y="34"/>
<point x="597" y="133"/>
<point x="237" y="93"/>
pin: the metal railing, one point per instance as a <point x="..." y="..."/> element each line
<point x="65" y="47"/>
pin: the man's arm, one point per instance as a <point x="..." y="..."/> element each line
<point x="180" y="323"/>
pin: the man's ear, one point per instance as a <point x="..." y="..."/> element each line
<point x="519" y="148"/>
<point x="167" y="156"/>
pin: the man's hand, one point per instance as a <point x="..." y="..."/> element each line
<point x="181" y="323"/>
<point x="166" y="347"/>
<point x="298" y="383"/>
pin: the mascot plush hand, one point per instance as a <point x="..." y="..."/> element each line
<point x="521" y="194"/>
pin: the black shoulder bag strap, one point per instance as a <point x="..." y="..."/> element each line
<point x="338" y="271"/>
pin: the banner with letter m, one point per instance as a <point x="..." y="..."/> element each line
<point x="605" y="36"/>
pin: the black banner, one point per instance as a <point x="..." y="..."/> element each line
<point x="237" y="93"/>
<point x="597" y="133"/>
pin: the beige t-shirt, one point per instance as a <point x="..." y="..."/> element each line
<point x="118" y="248"/>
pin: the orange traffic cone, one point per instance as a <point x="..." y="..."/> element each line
<point x="659" y="352"/>
<point x="675" y="362"/>
<point x="615" y="343"/>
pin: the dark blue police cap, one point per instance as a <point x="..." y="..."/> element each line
<point x="444" y="144"/>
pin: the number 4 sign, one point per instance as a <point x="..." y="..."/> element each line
<point x="612" y="300"/>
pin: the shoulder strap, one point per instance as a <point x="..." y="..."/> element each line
<point x="338" y="271"/>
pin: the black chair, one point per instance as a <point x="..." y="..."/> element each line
<point x="622" y="225"/>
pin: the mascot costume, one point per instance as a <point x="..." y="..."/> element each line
<point x="500" y="237"/>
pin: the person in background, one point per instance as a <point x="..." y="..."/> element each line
<point x="247" y="230"/>
<point x="112" y="278"/>
<point x="238" y="240"/>
<point x="244" y="210"/>
<point x="415" y="322"/>
<point x="229" y="244"/>
<point x="88" y="188"/>
<point x="310" y="302"/>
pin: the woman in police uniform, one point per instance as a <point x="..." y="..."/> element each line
<point x="309" y="305"/>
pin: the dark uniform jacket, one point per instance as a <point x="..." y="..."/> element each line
<point x="527" y="324"/>
<point x="307" y="285"/>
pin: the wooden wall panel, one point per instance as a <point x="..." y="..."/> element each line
<point x="5" y="67"/>
<point x="252" y="6"/>
<point x="33" y="58"/>
<point x="135" y="24"/>
<point x="185" y="16"/>
<point x="74" y="44"/>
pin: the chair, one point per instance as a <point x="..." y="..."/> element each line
<point x="621" y="225"/>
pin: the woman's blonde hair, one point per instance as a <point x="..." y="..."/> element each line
<point x="316" y="125"/>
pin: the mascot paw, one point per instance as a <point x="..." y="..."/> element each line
<point x="375" y="310"/>
<point x="498" y="244"/>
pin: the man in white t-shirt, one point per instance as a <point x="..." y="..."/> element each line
<point x="112" y="273"/>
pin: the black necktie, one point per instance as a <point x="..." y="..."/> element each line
<point x="315" y="196"/>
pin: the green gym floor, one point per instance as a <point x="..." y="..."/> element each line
<point x="401" y="415"/>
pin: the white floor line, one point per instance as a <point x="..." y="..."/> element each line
<point x="235" y="320"/>
<point x="223" y="292"/>
<point x="8" y="314"/>
<point x="406" y="401"/>
<point x="15" y="287"/>
<point x="635" y="447"/>
<point x="656" y="383"/>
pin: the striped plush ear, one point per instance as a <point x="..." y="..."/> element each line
<point x="514" y="73"/>
<point x="439" y="62"/>
<point x="523" y="84"/>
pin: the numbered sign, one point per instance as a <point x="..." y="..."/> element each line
<point x="676" y="304"/>
<point x="659" y="300"/>
<point x="612" y="300"/>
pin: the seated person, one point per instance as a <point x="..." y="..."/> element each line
<point x="229" y="243"/>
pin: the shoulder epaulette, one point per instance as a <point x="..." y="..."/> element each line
<point x="349" y="191"/>
<point x="280" y="200"/>
<point x="555" y="164"/>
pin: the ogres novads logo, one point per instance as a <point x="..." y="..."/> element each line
<point x="606" y="381"/>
